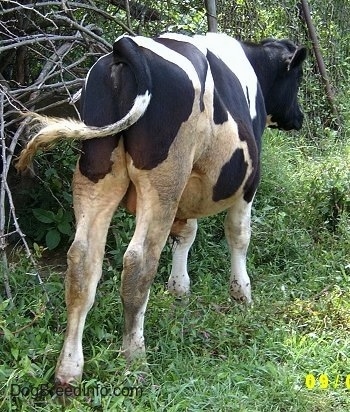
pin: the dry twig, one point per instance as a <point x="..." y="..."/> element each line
<point x="46" y="49"/>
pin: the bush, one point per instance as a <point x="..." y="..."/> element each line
<point x="46" y="214"/>
<point x="328" y="187"/>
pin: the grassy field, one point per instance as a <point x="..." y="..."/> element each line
<point x="210" y="354"/>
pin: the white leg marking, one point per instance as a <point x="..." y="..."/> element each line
<point x="237" y="231"/>
<point x="179" y="281"/>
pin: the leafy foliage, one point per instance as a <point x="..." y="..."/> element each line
<point x="329" y="190"/>
<point x="46" y="212"/>
<point x="57" y="225"/>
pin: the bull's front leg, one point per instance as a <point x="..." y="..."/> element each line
<point x="94" y="205"/>
<point x="237" y="232"/>
<point x="185" y="234"/>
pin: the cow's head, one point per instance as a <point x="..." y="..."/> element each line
<point x="284" y="73"/>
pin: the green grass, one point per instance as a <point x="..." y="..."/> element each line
<point x="211" y="354"/>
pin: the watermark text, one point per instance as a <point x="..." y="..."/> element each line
<point x="92" y="391"/>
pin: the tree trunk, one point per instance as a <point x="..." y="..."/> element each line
<point x="319" y="59"/>
<point x="210" y="6"/>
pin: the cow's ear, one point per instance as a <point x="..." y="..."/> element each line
<point x="298" y="57"/>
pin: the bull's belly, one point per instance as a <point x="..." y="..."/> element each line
<point x="197" y="199"/>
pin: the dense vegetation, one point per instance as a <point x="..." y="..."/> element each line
<point x="209" y="353"/>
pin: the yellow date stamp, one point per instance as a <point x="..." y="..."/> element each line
<point x="323" y="381"/>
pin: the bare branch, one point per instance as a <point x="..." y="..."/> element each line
<point x="37" y="38"/>
<point x="3" y="243"/>
<point x="46" y="49"/>
<point x="72" y="4"/>
<point x="127" y="9"/>
<point x="82" y="29"/>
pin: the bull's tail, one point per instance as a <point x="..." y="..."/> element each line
<point x="68" y="129"/>
<point x="55" y="129"/>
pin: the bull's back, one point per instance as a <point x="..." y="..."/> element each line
<point x="202" y="109"/>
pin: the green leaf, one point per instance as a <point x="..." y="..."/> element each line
<point x="15" y="352"/>
<point x="65" y="228"/>
<point x="44" y="216"/>
<point x="52" y="238"/>
<point x="68" y="215"/>
<point x="7" y="334"/>
<point x="67" y="196"/>
<point x="59" y="215"/>
<point x="4" y="304"/>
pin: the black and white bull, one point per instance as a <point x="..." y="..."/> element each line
<point x="171" y="129"/>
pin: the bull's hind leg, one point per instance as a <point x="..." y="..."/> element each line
<point x="237" y="231"/>
<point x="185" y="234"/>
<point x="94" y="205"/>
<point x="156" y="208"/>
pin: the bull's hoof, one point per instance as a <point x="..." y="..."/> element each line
<point x="66" y="390"/>
<point x="243" y="300"/>
<point x="238" y="297"/>
<point x="241" y="293"/>
<point x="133" y="356"/>
<point x="182" y="301"/>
